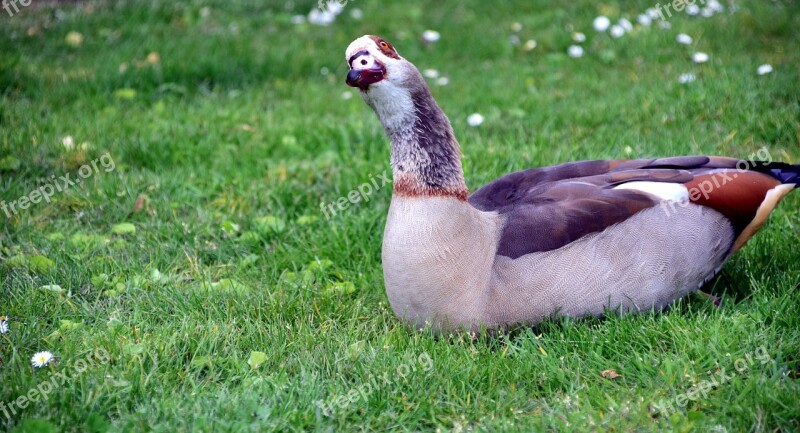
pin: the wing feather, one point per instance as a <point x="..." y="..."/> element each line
<point x="548" y="208"/>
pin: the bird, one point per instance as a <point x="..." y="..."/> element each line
<point x="577" y="239"/>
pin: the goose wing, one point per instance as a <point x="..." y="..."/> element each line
<point x="548" y="208"/>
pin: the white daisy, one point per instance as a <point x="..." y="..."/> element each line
<point x="575" y="51"/>
<point x="321" y="18"/>
<point x="715" y="6"/>
<point x="474" y="119"/>
<point x="692" y="9"/>
<point x="68" y="142"/>
<point x="707" y="12"/>
<point x="347" y="95"/>
<point x="442" y="81"/>
<point x="430" y="73"/>
<point x="684" y="39"/>
<point x="625" y="24"/>
<point x="664" y="24"/>
<point x="686" y="78"/>
<point x="578" y="37"/>
<point x="616" y="31"/>
<point x="601" y="23"/>
<point x="357" y="14"/>
<point x="764" y="69"/>
<point x="431" y="36"/>
<point x="699" y="57"/>
<point x="531" y="44"/>
<point x="652" y="13"/>
<point x="3" y="326"/>
<point x="335" y="7"/>
<point x="644" y="19"/>
<point x="40" y="359"/>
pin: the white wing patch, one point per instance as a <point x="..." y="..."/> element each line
<point x="662" y="190"/>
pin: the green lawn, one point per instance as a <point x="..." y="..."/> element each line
<point x="190" y="281"/>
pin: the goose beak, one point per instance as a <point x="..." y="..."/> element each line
<point x="362" y="78"/>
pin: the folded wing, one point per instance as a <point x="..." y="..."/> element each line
<point x="547" y="208"/>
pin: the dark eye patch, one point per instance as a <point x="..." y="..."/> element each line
<point x="386" y="48"/>
<point x="355" y="56"/>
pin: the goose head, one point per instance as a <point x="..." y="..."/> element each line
<point x="374" y="63"/>
<point x="385" y="80"/>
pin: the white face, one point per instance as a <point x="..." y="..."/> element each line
<point x="373" y="60"/>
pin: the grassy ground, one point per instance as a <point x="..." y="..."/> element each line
<point x="190" y="281"/>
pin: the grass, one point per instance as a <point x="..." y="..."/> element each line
<point x="233" y="304"/>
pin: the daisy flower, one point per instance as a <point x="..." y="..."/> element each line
<point x="3" y="324"/>
<point x="335" y="7"/>
<point x="578" y="37"/>
<point x="321" y="18"/>
<point x="601" y="23"/>
<point x="686" y="78"/>
<point x="531" y="44"/>
<point x="692" y="9"/>
<point x="715" y="6"/>
<point x="474" y="119"/>
<point x="430" y="73"/>
<point x="764" y="69"/>
<point x="431" y="36"/>
<point x="616" y="31"/>
<point x="684" y="39"/>
<point x="40" y="359"/>
<point x="575" y="51"/>
<point x="700" y="57"/>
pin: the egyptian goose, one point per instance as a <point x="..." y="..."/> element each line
<point x="574" y="239"/>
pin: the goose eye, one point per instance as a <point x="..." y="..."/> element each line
<point x="384" y="44"/>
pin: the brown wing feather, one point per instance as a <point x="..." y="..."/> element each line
<point x="735" y="194"/>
